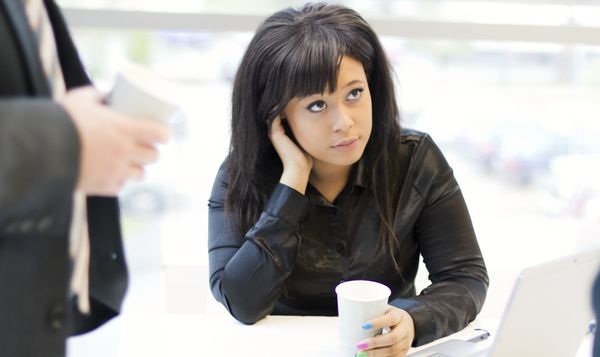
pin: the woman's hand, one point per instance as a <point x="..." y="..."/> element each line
<point x="296" y="163"/>
<point x="395" y="343"/>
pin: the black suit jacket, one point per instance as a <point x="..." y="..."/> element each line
<point x="39" y="164"/>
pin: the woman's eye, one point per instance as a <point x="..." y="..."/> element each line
<point x="355" y="94"/>
<point x="317" y="106"/>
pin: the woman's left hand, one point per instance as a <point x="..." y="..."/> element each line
<point x="394" y="343"/>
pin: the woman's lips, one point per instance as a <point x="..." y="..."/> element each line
<point x="346" y="144"/>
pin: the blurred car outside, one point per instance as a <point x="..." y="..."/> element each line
<point x="572" y="187"/>
<point x="518" y="151"/>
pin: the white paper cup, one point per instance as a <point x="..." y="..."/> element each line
<point x="139" y="94"/>
<point x="359" y="301"/>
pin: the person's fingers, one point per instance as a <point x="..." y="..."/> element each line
<point x="122" y="172"/>
<point x="147" y="131"/>
<point x="144" y="154"/>
<point x="111" y="190"/>
<point x="280" y="141"/>
<point x="88" y="93"/>
<point x="391" y="317"/>
<point x="392" y="351"/>
<point x="276" y="127"/>
<point x="113" y="186"/>
<point x="398" y="335"/>
<point x="106" y="188"/>
<point x="136" y="173"/>
<point x="394" y="343"/>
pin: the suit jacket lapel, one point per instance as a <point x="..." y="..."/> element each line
<point x="15" y="12"/>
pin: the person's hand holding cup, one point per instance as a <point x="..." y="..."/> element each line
<point x="358" y="302"/>
<point x="119" y="139"/>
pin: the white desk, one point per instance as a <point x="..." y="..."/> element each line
<point x="218" y="334"/>
<point x="190" y="323"/>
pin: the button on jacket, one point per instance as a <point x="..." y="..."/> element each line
<point x="302" y="246"/>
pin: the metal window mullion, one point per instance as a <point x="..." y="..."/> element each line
<point x="402" y="27"/>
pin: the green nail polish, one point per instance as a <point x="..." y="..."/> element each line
<point x="361" y="354"/>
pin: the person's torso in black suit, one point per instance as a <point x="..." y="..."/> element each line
<point x="36" y="313"/>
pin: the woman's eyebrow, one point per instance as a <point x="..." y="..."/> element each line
<point x="319" y="95"/>
<point x="353" y="82"/>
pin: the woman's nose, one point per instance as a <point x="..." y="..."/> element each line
<point x="343" y="121"/>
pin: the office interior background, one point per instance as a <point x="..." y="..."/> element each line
<point x="509" y="90"/>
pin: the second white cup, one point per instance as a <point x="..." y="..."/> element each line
<point x="140" y="94"/>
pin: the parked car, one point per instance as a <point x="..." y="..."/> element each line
<point x="573" y="186"/>
<point x="516" y="150"/>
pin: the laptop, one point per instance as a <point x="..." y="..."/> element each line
<point x="548" y="313"/>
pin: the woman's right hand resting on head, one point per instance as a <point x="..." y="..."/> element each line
<point x="297" y="164"/>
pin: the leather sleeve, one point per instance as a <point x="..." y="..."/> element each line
<point x="247" y="273"/>
<point x="450" y="251"/>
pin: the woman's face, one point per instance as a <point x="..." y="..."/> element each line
<point x="334" y="128"/>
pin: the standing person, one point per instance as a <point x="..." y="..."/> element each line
<point x="62" y="152"/>
<point x="321" y="185"/>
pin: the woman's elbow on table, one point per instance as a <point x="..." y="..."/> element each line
<point x="244" y="310"/>
<point x="248" y="319"/>
<point x="248" y="315"/>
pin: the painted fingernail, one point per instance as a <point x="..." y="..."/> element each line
<point x="367" y="326"/>
<point x="362" y="346"/>
<point x="361" y="354"/>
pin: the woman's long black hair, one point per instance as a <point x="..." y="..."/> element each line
<point x="296" y="53"/>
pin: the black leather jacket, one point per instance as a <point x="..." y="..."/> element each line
<point x="301" y="247"/>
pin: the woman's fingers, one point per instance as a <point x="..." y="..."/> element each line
<point x="276" y="127"/>
<point x="392" y="351"/>
<point x="394" y="343"/>
<point x="391" y="317"/>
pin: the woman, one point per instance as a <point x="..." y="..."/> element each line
<point x="321" y="185"/>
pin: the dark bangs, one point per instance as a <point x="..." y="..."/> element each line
<point x="307" y="62"/>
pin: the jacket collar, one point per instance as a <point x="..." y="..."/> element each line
<point x="356" y="184"/>
<point x="25" y="39"/>
<point x="357" y="178"/>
